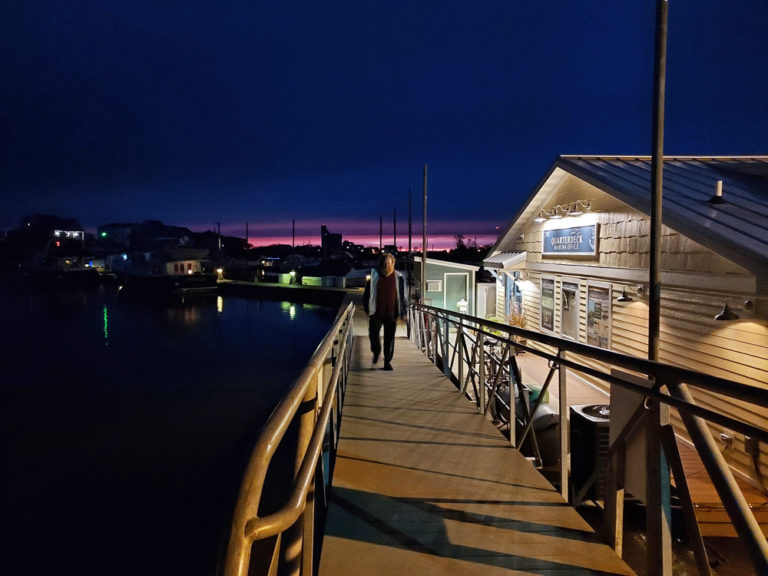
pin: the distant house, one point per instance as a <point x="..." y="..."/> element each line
<point x="574" y="263"/>
<point x="449" y="285"/>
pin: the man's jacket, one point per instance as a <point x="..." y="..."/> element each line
<point x="369" y="295"/>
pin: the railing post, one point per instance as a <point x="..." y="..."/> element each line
<point x="658" y="509"/>
<point x="308" y="519"/>
<point x="512" y="403"/>
<point x="480" y="343"/>
<point x="613" y="523"/>
<point x="293" y="539"/>
<point x="444" y="348"/>
<point x="457" y="346"/>
<point x="564" y="432"/>
<point x="434" y="329"/>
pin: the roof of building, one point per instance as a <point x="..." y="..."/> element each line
<point x="448" y="263"/>
<point x="736" y="228"/>
<point x="503" y="259"/>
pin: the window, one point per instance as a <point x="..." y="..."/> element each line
<point x="599" y="316"/>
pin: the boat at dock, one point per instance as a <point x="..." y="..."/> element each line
<point x="62" y="261"/>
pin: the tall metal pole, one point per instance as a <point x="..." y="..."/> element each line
<point x="657" y="169"/>
<point x="658" y="505"/>
<point x="410" y="220"/>
<point x="394" y="227"/>
<point x="409" y="262"/>
<point x="424" y="243"/>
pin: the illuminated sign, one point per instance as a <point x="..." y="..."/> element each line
<point x="573" y="241"/>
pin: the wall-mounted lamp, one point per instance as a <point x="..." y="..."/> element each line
<point x="624" y="296"/>
<point x="727" y="314"/>
<point x="575" y="208"/>
<point x="578" y="207"/>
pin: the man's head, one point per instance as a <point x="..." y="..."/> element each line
<point x="387" y="264"/>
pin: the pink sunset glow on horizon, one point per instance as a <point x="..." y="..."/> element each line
<point x="442" y="235"/>
<point x="436" y="242"/>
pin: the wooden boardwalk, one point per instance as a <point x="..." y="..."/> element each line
<point x="425" y="485"/>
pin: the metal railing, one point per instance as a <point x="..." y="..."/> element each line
<point x="278" y="518"/>
<point x="458" y="343"/>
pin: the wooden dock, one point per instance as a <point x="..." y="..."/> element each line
<point x="425" y="485"/>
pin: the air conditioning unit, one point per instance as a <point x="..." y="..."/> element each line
<point x="589" y="449"/>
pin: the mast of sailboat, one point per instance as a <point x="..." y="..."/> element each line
<point x="409" y="261"/>
<point x="394" y="227"/>
<point x="410" y="222"/>
<point x="424" y="243"/>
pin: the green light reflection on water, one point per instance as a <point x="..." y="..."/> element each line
<point x="106" y="326"/>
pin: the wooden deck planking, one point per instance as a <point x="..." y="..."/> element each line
<point x="425" y="485"/>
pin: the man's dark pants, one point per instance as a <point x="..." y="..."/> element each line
<point x="374" y="329"/>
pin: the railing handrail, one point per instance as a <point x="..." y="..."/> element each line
<point x="246" y="524"/>
<point x="663" y="373"/>
<point x="257" y="528"/>
<point x="676" y="381"/>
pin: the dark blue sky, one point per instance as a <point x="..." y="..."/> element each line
<point x="325" y="112"/>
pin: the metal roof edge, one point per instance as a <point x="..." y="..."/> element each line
<point x="473" y="267"/>
<point x="666" y="157"/>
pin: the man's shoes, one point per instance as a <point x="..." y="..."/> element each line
<point x="388" y="366"/>
<point x="375" y="358"/>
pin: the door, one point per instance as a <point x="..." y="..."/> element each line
<point x="457" y="292"/>
<point x="569" y="310"/>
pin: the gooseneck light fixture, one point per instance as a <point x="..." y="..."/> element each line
<point x="624" y="296"/>
<point x="725" y="313"/>
<point x="575" y="208"/>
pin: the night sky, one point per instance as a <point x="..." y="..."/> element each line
<point x="195" y="113"/>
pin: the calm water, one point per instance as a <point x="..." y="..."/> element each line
<point x="125" y="426"/>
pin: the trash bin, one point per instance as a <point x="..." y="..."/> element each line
<point x="546" y="425"/>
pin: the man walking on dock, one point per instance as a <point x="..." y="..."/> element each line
<point x="384" y="301"/>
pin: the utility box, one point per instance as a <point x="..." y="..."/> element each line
<point x="589" y="449"/>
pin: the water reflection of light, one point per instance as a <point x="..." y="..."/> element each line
<point x="290" y="308"/>
<point x="106" y="327"/>
<point x="188" y="315"/>
<point x="219" y="304"/>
